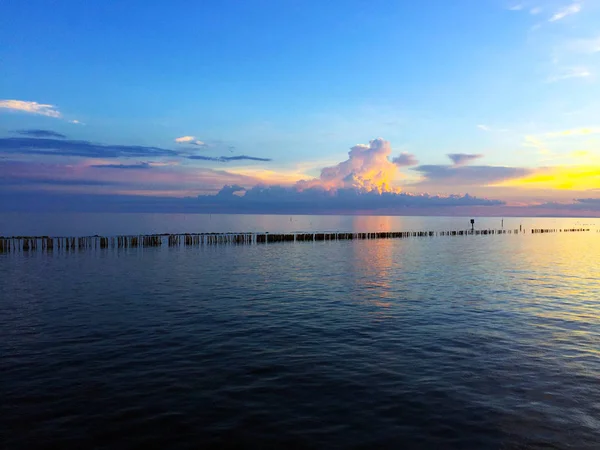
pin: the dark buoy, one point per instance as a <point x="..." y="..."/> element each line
<point x="472" y="225"/>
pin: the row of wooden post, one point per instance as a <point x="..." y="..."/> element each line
<point x="31" y="243"/>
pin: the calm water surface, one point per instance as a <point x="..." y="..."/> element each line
<point x="472" y="342"/>
<point x="70" y="224"/>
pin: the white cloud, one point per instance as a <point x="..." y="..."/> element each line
<point x="184" y="139"/>
<point x="190" y="140"/>
<point x="535" y="10"/>
<point x="571" y="73"/>
<point x="569" y="10"/>
<point x="517" y="7"/>
<point x="484" y="127"/>
<point x="31" y="107"/>
<point x="76" y="122"/>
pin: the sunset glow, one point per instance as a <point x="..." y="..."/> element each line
<point x="576" y="178"/>
<point x="505" y="114"/>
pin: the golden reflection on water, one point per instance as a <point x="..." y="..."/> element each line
<point x="374" y="224"/>
<point x="375" y="264"/>
<point x="554" y="281"/>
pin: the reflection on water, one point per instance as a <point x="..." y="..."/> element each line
<point x="373" y="224"/>
<point x="374" y="265"/>
<point x="478" y="342"/>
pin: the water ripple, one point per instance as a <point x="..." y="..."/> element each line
<point x="387" y="344"/>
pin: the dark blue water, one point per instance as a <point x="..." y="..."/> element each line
<point x="477" y="342"/>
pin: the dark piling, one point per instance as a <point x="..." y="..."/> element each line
<point x="48" y="244"/>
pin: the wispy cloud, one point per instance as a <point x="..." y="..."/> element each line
<point x="570" y="73"/>
<point x="67" y="147"/>
<point x="31" y="108"/>
<point x="536" y="10"/>
<point x="460" y="159"/>
<point x="41" y="133"/>
<point x="190" y="140"/>
<point x="584" y="131"/>
<point x="484" y="127"/>
<point x="517" y="7"/>
<point x="8" y="182"/>
<point x="564" y="12"/>
<point x="143" y="165"/>
<point x="228" y="158"/>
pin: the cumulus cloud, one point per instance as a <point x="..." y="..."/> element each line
<point x="405" y="160"/>
<point x="52" y="187"/>
<point x="297" y="203"/>
<point x="367" y="169"/>
<point x="564" y="12"/>
<point x="191" y="140"/>
<point x="41" y="133"/>
<point x="460" y="159"/>
<point x="31" y="107"/>
<point x="318" y="200"/>
<point x="228" y="190"/>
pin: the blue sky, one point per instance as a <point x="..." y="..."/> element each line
<point x="299" y="84"/>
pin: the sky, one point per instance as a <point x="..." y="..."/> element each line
<point x="485" y="107"/>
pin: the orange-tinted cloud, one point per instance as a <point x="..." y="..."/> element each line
<point x="367" y="169"/>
